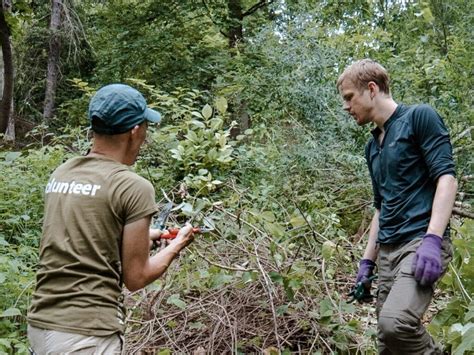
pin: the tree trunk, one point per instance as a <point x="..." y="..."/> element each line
<point x="235" y="35"/>
<point x="53" y="59"/>
<point x="7" y="98"/>
<point x="235" y="31"/>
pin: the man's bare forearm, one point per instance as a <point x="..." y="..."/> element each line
<point x="442" y="204"/>
<point x="371" y="248"/>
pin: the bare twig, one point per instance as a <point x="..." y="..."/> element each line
<point x="257" y="6"/>
<point x="463" y="213"/>
<point x="270" y="296"/>
<point x="223" y="266"/>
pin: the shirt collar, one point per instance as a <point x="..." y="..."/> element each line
<point x="393" y="117"/>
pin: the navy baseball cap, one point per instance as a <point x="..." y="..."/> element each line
<point x="117" y="108"/>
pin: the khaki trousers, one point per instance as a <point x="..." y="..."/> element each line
<point x="401" y="301"/>
<point x="52" y="342"/>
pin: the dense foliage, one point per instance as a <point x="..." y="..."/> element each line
<point x="254" y="145"/>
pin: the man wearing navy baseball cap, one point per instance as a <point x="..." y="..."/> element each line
<point x="96" y="234"/>
<point x="117" y="108"/>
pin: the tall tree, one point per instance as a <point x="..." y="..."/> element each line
<point x="237" y="14"/>
<point x="234" y="31"/>
<point x="53" y="59"/>
<point x="6" y="116"/>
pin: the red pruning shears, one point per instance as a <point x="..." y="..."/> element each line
<point x="171" y="233"/>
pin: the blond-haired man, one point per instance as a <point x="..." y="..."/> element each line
<point x="410" y="162"/>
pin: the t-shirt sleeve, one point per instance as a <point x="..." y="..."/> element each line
<point x="375" y="189"/>
<point x="433" y="139"/>
<point x="135" y="197"/>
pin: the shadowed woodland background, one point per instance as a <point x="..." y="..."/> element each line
<point x="253" y="144"/>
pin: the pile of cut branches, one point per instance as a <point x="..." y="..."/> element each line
<point x="242" y="289"/>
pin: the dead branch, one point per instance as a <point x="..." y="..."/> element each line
<point x="463" y="213"/>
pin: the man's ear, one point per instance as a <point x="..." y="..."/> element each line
<point x="373" y="89"/>
<point x="134" y="131"/>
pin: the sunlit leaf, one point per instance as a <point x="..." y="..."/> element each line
<point x="176" y="301"/>
<point x="221" y="104"/>
<point x="207" y="112"/>
<point x="11" y="312"/>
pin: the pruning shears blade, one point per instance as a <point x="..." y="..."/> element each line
<point x="205" y="229"/>
<point x="160" y="221"/>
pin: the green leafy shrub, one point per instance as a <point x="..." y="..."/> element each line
<point x="454" y="324"/>
<point x="24" y="175"/>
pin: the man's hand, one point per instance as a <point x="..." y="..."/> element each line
<point x="155" y="235"/>
<point x="363" y="283"/>
<point x="366" y="270"/>
<point x="426" y="266"/>
<point x="365" y="276"/>
<point x="184" y="237"/>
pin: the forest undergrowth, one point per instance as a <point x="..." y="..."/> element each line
<point x="288" y="211"/>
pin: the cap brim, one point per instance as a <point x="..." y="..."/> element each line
<point x="152" y="115"/>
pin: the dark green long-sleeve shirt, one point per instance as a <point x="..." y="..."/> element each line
<point x="414" y="153"/>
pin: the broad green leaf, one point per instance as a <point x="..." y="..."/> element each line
<point x="198" y="124"/>
<point x="11" y="156"/>
<point x="176" y="301"/>
<point x="197" y="114"/>
<point x="216" y="123"/>
<point x="187" y="208"/>
<point x="221" y="104"/>
<point x="469" y="316"/>
<point x="328" y="249"/>
<point x="212" y="154"/>
<point x="326" y="309"/>
<point x="249" y="276"/>
<point x="192" y="136"/>
<point x="222" y="141"/>
<point x="6" y="343"/>
<point x="207" y="112"/>
<point x="467" y="343"/>
<point x="155" y="286"/>
<point x="281" y="310"/>
<point x="297" y="221"/>
<point x="11" y="312"/>
<point x="176" y="154"/>
<point x="275" y="229"/>
<point x="221" y="279"/>
<point x="276" y="277"/>
<point x="294" y="283"/>
<point x="268" y="216"/>
<point x="427" y="14"/>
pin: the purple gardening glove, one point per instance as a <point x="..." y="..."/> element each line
<point x="366" y="270"/>
<point x="426" y="266"/>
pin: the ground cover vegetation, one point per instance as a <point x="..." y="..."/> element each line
<point x="253" y="144"/>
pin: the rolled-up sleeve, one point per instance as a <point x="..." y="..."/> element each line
<point x="433" y="140"/>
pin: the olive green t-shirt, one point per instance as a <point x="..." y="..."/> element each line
<point x="88" y="201"/>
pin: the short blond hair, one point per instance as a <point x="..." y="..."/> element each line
<point x="364" y="71"/>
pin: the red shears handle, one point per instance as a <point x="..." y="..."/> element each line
<point x="173" y="232"/>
